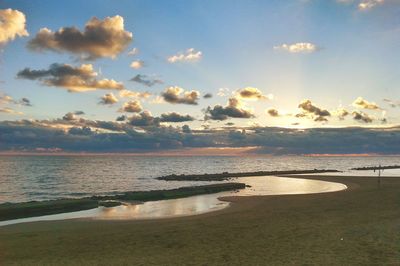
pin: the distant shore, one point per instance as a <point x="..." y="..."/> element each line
<point x="227" y="175"/>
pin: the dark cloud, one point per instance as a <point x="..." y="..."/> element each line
<point x="75" y="79"/>
<point x="186" y="129"/>
<point x="80" y="131"/>
<point x="252" y="93"/>
<point x="100" y="38"/>
<point x="309" y="109"/>
<point x="144" y="119"/>
<point x="121" y="118"/>
<point x="175" y="117"/>
<point x="84" y="135"/>
<point x="233" y="109"/>
<point x="273" y="112"/>
<point x="176" y="95"/>
<point x="79" y="112"/>
<point x="362" y="117"/>
<point x="25" y="102"/>
<point x="146" y="80"/>
<point x="207" y="96"/>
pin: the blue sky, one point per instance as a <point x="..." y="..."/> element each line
<point x="353" y="53"/>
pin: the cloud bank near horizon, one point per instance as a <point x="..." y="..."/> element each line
<point x="144" y="133"/>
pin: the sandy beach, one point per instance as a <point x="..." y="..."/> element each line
<point x="355" y="226"/>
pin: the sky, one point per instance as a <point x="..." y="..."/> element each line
<point x="129" y="76"/>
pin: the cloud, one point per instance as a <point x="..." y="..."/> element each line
<point x="25" y="102"/>
<point x="362" y="117"/>
<point x="85" y="135"/>
<point x="186" y="129"/>
<point x="12" y="25"/>
<point x="144" y="119"/>
<point x="146" y="80"/>
<point x="392" y="103"/>
<point x="131" y="107"/>
<point x="368" y="4"/>
<point x="134" y="94"/>
<point x="223" y="92"/>
<point x="121" y="118"/>
<point x="100" y="38"/>
<point x="177" y="95"/>
<point x="273" y="112"/>
<point x="234" y="109"/>
<point x="190" y="55"/>
<point x="207" y="96"/>
<point x="108" y="99"/>
<point x="175" y="117"/>
<point x="133" y="52"/>
<point x="75" y="79"/>
<point x="342" y="113"/>
<point x="300" y="47"/>
<point x="70" y="117"/>
<point x="250" y="93"/>
<point x="362" y="103"/>
<point x="309" y="109"/>
<point x="137" y="64"/>
<point x="6" y="99"/>
<point x="8" y="110"/>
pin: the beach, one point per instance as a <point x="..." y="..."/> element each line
<point x="358" y="225"/>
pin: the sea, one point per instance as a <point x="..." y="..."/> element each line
<point x="26" y="178"/>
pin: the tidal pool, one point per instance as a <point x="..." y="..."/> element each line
<point x="260" y="185"/>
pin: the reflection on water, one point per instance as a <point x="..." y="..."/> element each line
<point x="273" y="185"/>
<point x="26" y="178"/>
<point x="261" y="185"/>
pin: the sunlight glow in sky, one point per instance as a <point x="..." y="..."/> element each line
<point x="199" y="65"/>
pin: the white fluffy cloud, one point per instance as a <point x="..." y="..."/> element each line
<point x="362" y="103"/>
<point x="190" y="55"/>
<point x="134" y="94"/>
<point x="11" y="111"/>
<point x="108" y="98"/>
<point x="368" y="4"/>
<point x="12" y="25"/>
<point x="300" y="47"/>
<point x="131" y="107"/>
<point x="137" y="64"/>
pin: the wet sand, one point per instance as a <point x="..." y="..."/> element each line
<point x="359" y="225"/>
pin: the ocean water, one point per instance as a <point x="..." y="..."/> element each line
<point x="25" y="178"/>
<point x="258" y="185"/>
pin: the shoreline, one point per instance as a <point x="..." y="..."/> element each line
<point x="357" y="223"/>
<point x="213" y="192"/>
<point x="12" y="211"/>
<point x="226" y="175"/>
